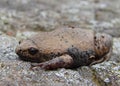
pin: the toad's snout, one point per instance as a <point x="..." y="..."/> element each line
<point x="17" y="50"/>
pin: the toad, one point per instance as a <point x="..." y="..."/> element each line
<point x="65" y="48"/>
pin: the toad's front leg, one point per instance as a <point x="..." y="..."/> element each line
<point x="64" y="61"/>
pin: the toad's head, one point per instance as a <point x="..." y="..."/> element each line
<point x="27" y="50"/>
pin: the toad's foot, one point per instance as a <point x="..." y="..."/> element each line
<point x="104" y="58"/>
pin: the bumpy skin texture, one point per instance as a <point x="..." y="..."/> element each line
<point x="65" y="47"/>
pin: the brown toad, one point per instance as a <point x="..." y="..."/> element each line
<point x="66" y="48"/>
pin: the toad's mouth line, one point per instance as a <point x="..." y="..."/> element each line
<point x="27" y="59"/>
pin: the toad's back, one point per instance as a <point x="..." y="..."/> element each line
<point x="61" y="39"/>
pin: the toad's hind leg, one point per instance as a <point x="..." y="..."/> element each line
<point x="105" y="58"/>
<point x="64" y="61"/>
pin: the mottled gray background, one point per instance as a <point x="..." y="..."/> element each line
<point x="22" y="18"/>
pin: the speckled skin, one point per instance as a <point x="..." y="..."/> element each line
<point x="62" y="47"/>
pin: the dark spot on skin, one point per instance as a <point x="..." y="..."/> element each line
<point x="72" y="27"/>
<point x="58" y="53"/>
<point x="98" y="47"/>
<point x="95" y="37"/>
<point x="95" y="44"/>
<point x="52" y="54"/>
<point x="20" y="50"/>
<point x="66" y="41"/>
<point x="19" y="42"/>
<point x="62" y="37"/>
<point x="102" y="36"/>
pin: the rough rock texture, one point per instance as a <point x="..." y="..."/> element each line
<point x="46" y="15"/>
<point x="16" y="16"/>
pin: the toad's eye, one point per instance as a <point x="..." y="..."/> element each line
<point x="32" y="51"/>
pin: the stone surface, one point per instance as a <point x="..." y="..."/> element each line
<point x="108" y="73"/>
<point x="7" y="48"/>
<point x="22" y="18"/>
